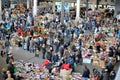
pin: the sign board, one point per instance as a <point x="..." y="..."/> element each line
<point x="66" y="6"/>
<point x="86" y="60"/>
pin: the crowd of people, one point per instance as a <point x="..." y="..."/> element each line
<point x="67" y="43"/>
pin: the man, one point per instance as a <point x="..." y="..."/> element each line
<point x="112" y="75"/>
<point x="43" y="51"/>
<point x="61" y="50"/>
<point x="86" y="73"/>
<point x="11" y="68"/>
<point x="48" y="55"/>
<point x="7" y="44"/>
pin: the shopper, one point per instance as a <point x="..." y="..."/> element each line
<point x="86" y="73"/>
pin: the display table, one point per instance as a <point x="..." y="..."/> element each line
<point x="31" y="71"/>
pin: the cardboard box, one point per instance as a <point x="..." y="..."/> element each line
<point x="64" y="72"/>
<point x="95" y="62"/>
<point x="102" y="64"/>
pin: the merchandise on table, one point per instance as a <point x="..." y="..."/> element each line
<point x="31" y="71"/>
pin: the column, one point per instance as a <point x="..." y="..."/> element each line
<point x="86" y="12"/>
<point x="97" y="4"/>
<point x="0" y="5"/>
<point x="62" y="12"/>
<point x="54" y="7"/>
<point x="78" y="9"/>
<point x="31" y="3"/>
<point x="94" y="7"/>
<point x="28" y="4"/>
<point x="35" y="8"/>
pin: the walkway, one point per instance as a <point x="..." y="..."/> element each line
<point x="20" y="54"/>
<point x="118" y="74"/>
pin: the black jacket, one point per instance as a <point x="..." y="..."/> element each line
<point x="86" y="73"/>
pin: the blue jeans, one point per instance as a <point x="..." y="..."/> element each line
<point x="83" y="78"/>
<point x="23" y="46"/>
<point x="31" y="49"/>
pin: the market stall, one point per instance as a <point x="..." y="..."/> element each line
<point x="31" y="71"/>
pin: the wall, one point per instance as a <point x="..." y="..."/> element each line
<point x="117" y="7"/>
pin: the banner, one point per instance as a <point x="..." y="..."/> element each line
<point x="66" y="6"/>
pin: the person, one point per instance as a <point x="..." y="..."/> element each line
<point x="9" y="77"/>
<point x="43" y="51"/>
<point x="119" y="33"/>
<point x="48" y="55"/>
<point x="11" y="68"/>
<point x="23" y="43"/>
<point x="37" y="52"/>
<point x="2" y="52"/>
<point x="55" y="58"/>
<point x="7" y="44"/>
<point x="66" y="53"/>
<point x="4" y="75"/>
<point x="112" y="75"/>
<point x="71" y="61"/>
<point x="86" y="73"/>
<point x="104" y="75"/>
<point x="79" y="55"/>
<point x="61" y="50"/>
<point x="31" y="47"/>
<point x="9" y="58"/>
<point x="96" y="74"/>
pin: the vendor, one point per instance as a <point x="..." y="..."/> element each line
<point x="11" y="68"/>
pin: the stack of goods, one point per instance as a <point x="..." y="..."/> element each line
<point x="31" y="71"/>
<point x="27" y="70"/>
<point x="76" y="76"/>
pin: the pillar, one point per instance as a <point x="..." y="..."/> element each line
<point x="0" y="5"/>
<point x="31" y="3"/>
<point x="97" y="4"/>
<point x="78" y="9"/>
<point x="86" y="12"/>
<point x="94" y="7"/>
<point x="28" y="4"/>
<point x="62" y="12"/>
<point x="54" y="7"/>
<point x="35" y="8"/>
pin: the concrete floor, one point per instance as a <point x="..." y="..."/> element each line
<point x="20" y="54"/>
